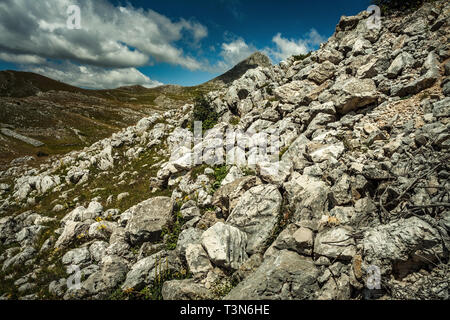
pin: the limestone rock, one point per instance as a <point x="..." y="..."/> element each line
<point x="225" y="245"/>
<point x="307" y="192"/>
<point x="286" y="276"/>
<point x="406" y="244"/>
<point x="227" y="196"/>
<point x="257" y="215"/>
<point x="353" y="94"/>
<point x="148" y="220"/>
<point x="335" y="243"/>
<point x="197" y="259"/>
<point x="185" y="290"/>
<point x="145" y="271"/>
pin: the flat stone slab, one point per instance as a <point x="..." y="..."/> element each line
<point x="148" y="219"/>
<point x="15" y="135"/>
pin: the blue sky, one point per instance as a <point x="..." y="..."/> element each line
<point x="153" y="42"/>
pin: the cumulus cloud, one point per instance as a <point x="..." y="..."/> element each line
<point x="288" y="47"/>
<point x="94" y="77"/>
<point x="110" y="36"/>
<point x="114" y="41"/>
<point x="21" y="58"/>
<point x="238" y="49"/>
<point x="232" y="53"/>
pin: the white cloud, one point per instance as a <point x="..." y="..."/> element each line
<point x="21" y="58"/>
<point x="109" y="36"/>
<point x="198" y="30"/>
<point x="288" y="47"/>
<point x="238" y="49"/>
<point x="115" y="40"/>
<point x="232" y="53"/>
<point x="95" y="77"/>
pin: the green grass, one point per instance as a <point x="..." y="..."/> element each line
<point x="248" y="172"/>
<point x="105" y="185"/>
<point x="7" y="284"/>
<point x="172" y="233"/>
<point x="50" y="119"/>
<point x="49" y="262"/>
<point x="235" y="120"/>
<point x="154" y="290"/>
<point x="51" y="269"/>
<point x="284" y="218"/>
<point x="221" y="288"/>
<point x="197" y="171"/>
<point x="48" y="274"/>
<point x="94" y="124"/>
<point x="219" y="175"/>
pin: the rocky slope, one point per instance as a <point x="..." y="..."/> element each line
<point x="359" y="208"/>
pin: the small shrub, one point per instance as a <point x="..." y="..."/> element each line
<point x="210" y="208"/>
<point x="119" y="294"/>
<point x="248" y="172"/>
<point x="283" y="151"/>
<point x="219" y="174"/>
<point x="284" y="218"/>
<point x="153" y="291"/>
<point x="301" y="57"/>
<point x="235" y="120"/>
<point x="173" y="232"/>
<point x="205" y="113"/>
<point x="269" y="90"/>
<point x="221" y="288"/>
<point x="424" y="96"/>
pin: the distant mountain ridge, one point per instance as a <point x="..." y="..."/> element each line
<point x="19" y="84"/>
<point x="66" y="118"/>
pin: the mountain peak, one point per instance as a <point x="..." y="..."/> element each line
<point x="256" y="59"/>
